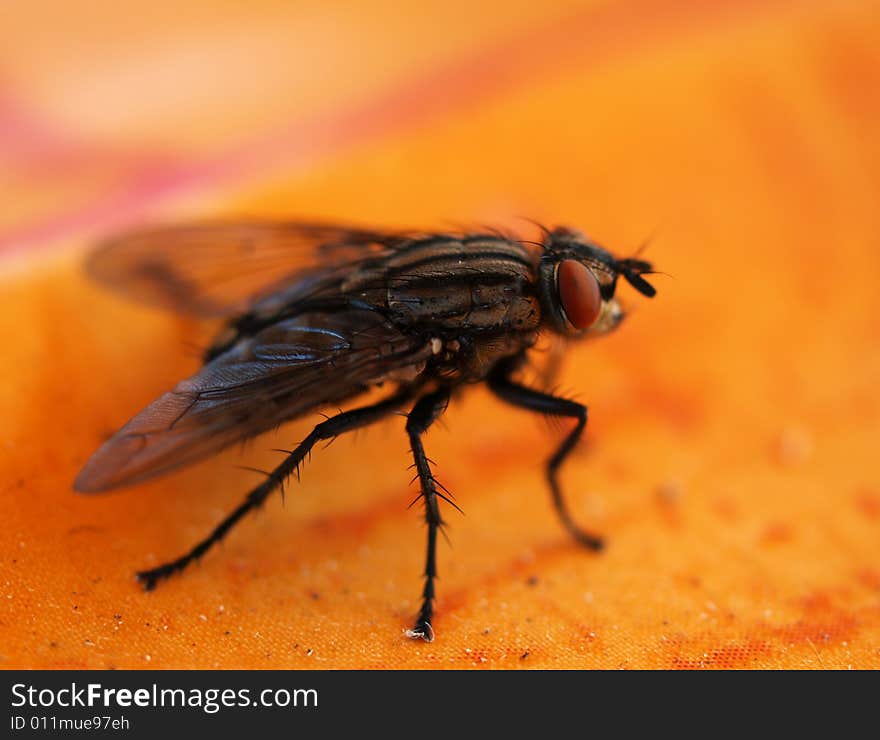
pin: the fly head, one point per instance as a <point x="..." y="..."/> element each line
<point x="578" y="280"/>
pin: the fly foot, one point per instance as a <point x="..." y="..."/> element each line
<point x="422" y="630"/>
<point x="590" y="541"/>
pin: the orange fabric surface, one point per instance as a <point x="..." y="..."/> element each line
<point x="730" y="458"/>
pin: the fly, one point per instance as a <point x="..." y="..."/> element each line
<point x="318" y="314"/>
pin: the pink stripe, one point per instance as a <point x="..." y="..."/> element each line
<point x="593" y="35"/>
<point x="22" y="132"/>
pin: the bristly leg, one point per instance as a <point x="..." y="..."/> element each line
<point x="519" y="395"/>
<point x="326" y="430"/>
<point x="424" y="413"/>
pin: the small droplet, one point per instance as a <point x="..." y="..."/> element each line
<point x="794" y="446"/>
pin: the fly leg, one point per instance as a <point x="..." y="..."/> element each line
<point x="423" y="414"/>
<point x="519" y="395"/>
<point x="332" y="427"/>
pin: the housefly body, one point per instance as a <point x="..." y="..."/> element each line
<point x="318" y="314"/>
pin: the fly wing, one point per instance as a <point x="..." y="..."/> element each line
<point x="283" y="371"/>
<point x="219" y="269"/>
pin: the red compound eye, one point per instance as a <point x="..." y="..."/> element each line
<point x="579" y="293"/>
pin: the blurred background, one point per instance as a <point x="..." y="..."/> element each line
<point x="731" y="454"/>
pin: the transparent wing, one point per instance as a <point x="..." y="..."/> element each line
<point x="282" y="372"/>
<point x="219" y="269"/>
